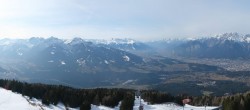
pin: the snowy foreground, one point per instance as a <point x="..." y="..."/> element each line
<point x="14" y="101"/>
<point x="167" y="106"/>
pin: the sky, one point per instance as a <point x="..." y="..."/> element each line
<point x="136" y="19"/>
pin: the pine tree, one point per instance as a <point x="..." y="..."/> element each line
<point x="85" y="106"/>
<point x="127" y="102"/>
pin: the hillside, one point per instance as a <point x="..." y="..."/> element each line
<point x="12" y="101"/>
<point x="58" y="97"/>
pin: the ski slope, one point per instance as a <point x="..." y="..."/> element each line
<point x="167" y="106"/>
<point x="14" y="101"/>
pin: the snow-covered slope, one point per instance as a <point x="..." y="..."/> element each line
<point x="11" y="101"/>
<point x="94" y="107"/>
<point x="168" y="106"/>
<point x="146" y="106"/>
<point x="14" y="101"/>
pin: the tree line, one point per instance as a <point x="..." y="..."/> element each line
<point x="239" y="101"/>
<point x="72" y="97"/>
<point x="83" y="98"/>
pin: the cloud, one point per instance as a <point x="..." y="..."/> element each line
<point x="138" y="19"/>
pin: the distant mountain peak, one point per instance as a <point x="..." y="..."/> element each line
<point x="116" y="41"/>
<point x="234" y="36"/>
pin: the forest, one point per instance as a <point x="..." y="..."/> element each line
<point x="83" y="98"/>
<point x="72" y="97"/>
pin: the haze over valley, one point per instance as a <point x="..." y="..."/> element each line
<point x="129" y="63"/>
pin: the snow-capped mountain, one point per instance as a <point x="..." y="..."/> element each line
<point x="52" y="57"/>
<point x="115" y="41"/>
<point x="234" y="37"/>
<point x="123" y="44"/>
<point x="228" y="45"/>
<point x="58" y="61"/>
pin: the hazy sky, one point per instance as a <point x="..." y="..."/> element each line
<point x="137" y="19"/>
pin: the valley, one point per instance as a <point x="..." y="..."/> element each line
<point x="122" y="63"/>
<point x="228" y="64"/>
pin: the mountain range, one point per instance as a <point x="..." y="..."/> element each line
<point x="227" y="45"/>
<point x="88" y="63"/>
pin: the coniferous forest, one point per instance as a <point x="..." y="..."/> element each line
<point x="71" y="97"/>
<point x="83" y="98"/>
